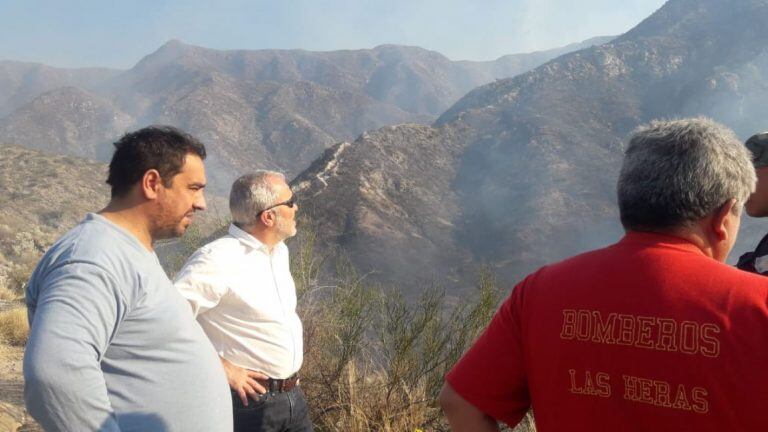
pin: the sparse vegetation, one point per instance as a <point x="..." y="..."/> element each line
<point x="374" y="362"/>
<point x="178" y="250"/>
<point x="8" y="294"/>
<point x="14" y="278"/>
<point x="14" y="327"/>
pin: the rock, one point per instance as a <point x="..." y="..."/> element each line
<point x="11" y="417"/>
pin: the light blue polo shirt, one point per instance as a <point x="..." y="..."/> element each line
<point x="113" y="346"/>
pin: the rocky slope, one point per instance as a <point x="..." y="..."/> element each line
<point x="528" y="165"/>
<point x="43" y="195"/>
<point x="387" y="202"/>
<point x="67" y="121"/>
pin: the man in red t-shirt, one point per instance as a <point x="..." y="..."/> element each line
<point x="652" y="333"/>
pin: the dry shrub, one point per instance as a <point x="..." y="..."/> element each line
<point x="14" y="327"/>
<point x="375" y="362"/>
<point x="15" y="276"/>
<point x="7" y="294"/>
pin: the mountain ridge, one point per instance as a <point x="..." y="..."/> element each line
<point x="533" y="177"/>
<point x="276" y="109"/>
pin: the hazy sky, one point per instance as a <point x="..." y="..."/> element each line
<point x="117" y="34"/>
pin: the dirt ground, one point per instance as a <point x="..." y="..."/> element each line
<point x="12" y="383"/>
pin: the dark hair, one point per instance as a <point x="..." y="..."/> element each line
<point x="155" y="147"/>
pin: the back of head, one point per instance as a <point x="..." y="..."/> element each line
<point x="676" y="172"/>
<point x="163" y="148"/>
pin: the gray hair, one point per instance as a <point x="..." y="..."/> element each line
<point x="676" y="172"/>
<point x="251" y="194"/>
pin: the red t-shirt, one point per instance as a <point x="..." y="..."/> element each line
<point x="648" y="334"/>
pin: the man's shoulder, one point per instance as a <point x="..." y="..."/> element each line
<point x="85" y="242"/>
<point x="740" y="277"/>
<point x="99" y="248"/>
<point x="223" y="251"/>
<point x="96" y="239"/>
<point x="632" y="262"/>
<point x="224" y="245"/>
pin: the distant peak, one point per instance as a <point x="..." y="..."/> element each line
<point x="395" y="51"/>
<point x="401" y="48"/>
<point x="168" y="52"/>
<point x="173" y="43"/>
<point x="174" y="46"/>
<point x="393" y="46"/>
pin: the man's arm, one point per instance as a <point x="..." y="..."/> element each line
<point x="462" y="415"/>
<point x="76" y="313"/>
<point x="202" y="281"/>
<point x="490" y="377"/>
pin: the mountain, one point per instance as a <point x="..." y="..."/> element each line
<point x="20" y="82"/>
<point x="522" y="171"/>
<point x="413" y="79"/>
<point x="42" y="196"/>
<point x="274" y="109"/>
<point x="515" y="64"/>
<point x="68" y="121"/>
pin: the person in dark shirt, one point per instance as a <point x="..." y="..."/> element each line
<point x="757" y="205"/>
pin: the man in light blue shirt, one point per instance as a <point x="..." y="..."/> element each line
<point x="112" y="344"/>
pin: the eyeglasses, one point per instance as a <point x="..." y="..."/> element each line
<point x="290" y="203"/>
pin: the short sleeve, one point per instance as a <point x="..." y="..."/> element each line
<point x="78" y="310"/>
<point x="491" y="375"/>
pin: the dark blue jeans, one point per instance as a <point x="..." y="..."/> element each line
<point x="272" y="412"/>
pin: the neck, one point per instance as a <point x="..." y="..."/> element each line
<point x="697" y="238"/>
<point x="695" y="234"/>
<point x="264" y="235"/>
<point x="130" y="217"/>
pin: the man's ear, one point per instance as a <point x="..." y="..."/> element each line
<point x="268" y="218"/>
<point x="150" y="184"/>
<point x="722" y="220"/>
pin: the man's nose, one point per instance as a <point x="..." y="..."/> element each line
<point x="199" y="203"/>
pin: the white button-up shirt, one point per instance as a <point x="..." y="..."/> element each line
<point x="245" y="300"/>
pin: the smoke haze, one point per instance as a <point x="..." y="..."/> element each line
<point x="83" y="33"/>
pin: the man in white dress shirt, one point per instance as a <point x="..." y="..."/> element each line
<point x="242" y="293"/>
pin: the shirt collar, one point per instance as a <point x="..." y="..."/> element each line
<point x="250" y="240"/>
<point x="130" y="237"/>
